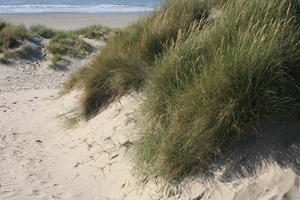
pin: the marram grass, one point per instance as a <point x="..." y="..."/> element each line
<point x="124" y="64"/>
<point x="206" y="81"/>
<point x="211" y="87"/>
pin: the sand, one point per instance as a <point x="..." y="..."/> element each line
<point x="71" y="21"/>
<point x="42" y="158"/>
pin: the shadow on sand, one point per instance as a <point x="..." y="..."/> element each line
<point x="278" y="143"/>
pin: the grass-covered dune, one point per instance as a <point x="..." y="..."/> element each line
<point x="207" y="84"/>
<point x="18" y="42"/>
<point x="210" y="89"/>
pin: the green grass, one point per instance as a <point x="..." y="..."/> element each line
<point x="94" y="32"/>
<point x="12" y="35"/>
<point x="12" y="38"/>
<point x="43" y="31"/>
<point x="25" y="51"/>
<point x="215" y="85"/>
<point x="4" y="60"/>
<point x="71" y="118"/>
<point x="127" y="60"/>
<point x="69" y="44"/>
<point x="56" y="59"/>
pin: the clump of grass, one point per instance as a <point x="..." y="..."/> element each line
<point x="43" y="31"/>
<point x="213" y="86"/>
<point x="126" y="61"/>
<point x="3" y="25"/>
<point x="25" y="51"/>
<point x="4" y="60"/>
<point x="71" y="118"/>
<point x="56" y="58"/>
<point x="94" y="32"/>
<point x="69" y="44"/>
<point x="12" y="35"/>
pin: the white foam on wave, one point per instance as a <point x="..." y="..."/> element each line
<point x="36" y="8"/>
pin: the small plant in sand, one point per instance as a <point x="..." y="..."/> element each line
<point x="56" y="61"/>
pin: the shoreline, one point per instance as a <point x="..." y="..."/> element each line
<point x="72" y="21"/>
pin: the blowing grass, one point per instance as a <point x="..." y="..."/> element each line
<point x="127" y="60"/>
<point x="213" y="87"/>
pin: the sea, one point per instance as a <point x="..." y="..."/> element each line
<point x="77" y="6"/>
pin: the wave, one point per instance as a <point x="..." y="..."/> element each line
<point x="72" y="8"/>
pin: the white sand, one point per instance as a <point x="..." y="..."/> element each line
<point x="42" y="160"/>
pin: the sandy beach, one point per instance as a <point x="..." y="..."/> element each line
<point x="71" y="21"/>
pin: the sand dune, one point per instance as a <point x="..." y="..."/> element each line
<point x="40" y="159"/>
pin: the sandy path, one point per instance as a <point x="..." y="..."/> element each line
<point x="26" y="131"/>
<point x="29" y="131"/>
<point x="40" y="159"/>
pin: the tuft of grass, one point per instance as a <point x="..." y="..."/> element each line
<point x="213" y="86"/>
<point x="127" y="60"/>
<point x="25" y="51"/>
<point x="56" y="61"/>
<point x="94" y="32"/>
<point x="3" y="25"/>
<point x="71" y="118"/>
<point x="12" y="35"/>
<point x="69" y="44"/>
<point x="4" y="60"/>
<point x="43" y="31"/>
<point x="72" y="121"/>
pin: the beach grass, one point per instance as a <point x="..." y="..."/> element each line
<point x="43" y="31"/>
<point x="97" y="32"/>
<point x="211" y="90"/>
<point x="128" y="58"/>
<point x="14" y="40"/>
<point x="56" y="59"/>
<point x="69" y="44"/>
<point x="12" y="35"/>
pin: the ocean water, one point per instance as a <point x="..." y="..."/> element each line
<point x="76" y="6"/>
